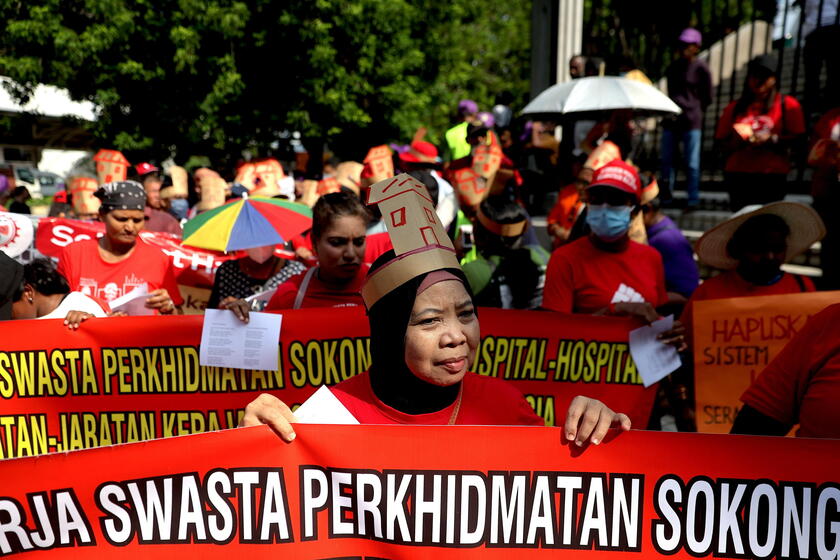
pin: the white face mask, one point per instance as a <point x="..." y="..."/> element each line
<point x="260" y="254"/>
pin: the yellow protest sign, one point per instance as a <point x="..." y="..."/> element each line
<point x="734" y="339"/>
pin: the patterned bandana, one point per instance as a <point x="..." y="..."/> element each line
<point x="121" y="195"/>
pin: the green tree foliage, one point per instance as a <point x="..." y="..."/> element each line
<point x="213" y="77"/>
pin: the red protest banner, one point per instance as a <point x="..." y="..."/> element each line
<point x="120" y="380"/>
<point x="433" y="492"/>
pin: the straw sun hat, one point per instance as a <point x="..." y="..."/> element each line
<point x="805" y="225"/>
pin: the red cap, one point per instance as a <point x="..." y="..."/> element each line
<point x="60" y="196"/>
<point x="145" y="168"/>
<point x="420" y="152"/>
<point x="619" y="175"/>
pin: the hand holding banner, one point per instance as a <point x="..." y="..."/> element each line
<point x="432" y="492"/>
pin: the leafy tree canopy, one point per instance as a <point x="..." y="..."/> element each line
<point x="214" y="77"/>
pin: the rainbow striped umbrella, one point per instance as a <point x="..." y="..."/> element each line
<point x="246" y="223"/>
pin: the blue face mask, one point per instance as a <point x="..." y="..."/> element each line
<point x="179" y="207"/>
<point x="609" y="223"/>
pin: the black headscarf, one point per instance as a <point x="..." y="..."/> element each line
<point x="391" y="380"/>
<point x="121" y="195"/>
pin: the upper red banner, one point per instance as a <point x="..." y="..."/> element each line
<point x="120" y="380"/>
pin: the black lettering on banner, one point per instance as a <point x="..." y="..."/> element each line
<point x="467" y="509"/>
<point x="183" y="508"/>
<point x="593" y="361"/>
<point x="47" y="373"/>
<point x="513" y="358"/>
<point x="58" y="521"/>
<point x="168" y="370"/>
<point x="319" y="362"/>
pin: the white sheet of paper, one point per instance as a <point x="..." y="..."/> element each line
<point x="654" y="360"/>
<point x="134" y="302"/>
<point x="261" y="296"/>
<point x="228" y="342"/>
<point x="324" y="408"/>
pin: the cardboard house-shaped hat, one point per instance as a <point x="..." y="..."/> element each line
<point x="81" y="192"/>
<point x="179" y="188"/>
<point x="379" y="163"/>
<point x="419" y="239"/>
<point x="111" y="166"/>
<point x="268" y="173"/>
<point x="211" y="189"/>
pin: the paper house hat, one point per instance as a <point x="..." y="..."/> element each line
<point x="268" y="173"/>
<point x="179" y="188"/>
<point x="476" y="176"/>
<point x="419" y="239"/>
<point x="111" y="166"/>
<point x="81" y="191"/>
<point x="211" y="188"/>
<point x="379" y="164"/>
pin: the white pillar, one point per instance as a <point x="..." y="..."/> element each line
<point x="569" y="35"/>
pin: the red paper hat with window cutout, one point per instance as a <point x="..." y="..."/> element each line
<point x="419" y="239"/>
<point x="111" y="166"/>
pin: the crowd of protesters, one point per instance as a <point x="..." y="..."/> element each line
<point x="613" y="250"/>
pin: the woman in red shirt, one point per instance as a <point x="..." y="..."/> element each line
<point x="339" y="224"/>
<point x="424" y="336"/>
<point x="756" y="132"/>
<point x="120" y="261"/>
<point x="750" y="248"/>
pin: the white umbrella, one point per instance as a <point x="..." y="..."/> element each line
<point x="601" y="93"/>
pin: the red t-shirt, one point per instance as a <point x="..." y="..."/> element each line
<point x="584" y="279"/>
<point x="729" y="284"/>
<point x="486" y="401"/>
<point x="318" y="294"/>
<point x="763" y="158"/>
<point x="802" y="383"/>
<point x="87" y="272"/>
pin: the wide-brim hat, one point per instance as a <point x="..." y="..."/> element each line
<point x="806" y="228"/>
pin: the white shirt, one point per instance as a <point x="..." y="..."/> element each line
<point x="447" y="206"/>
<point x="76" y="301"/>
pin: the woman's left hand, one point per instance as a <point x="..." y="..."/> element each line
<point x="674" y="337"/>
<point x="160" y="300"/>
<point x="588" y="421"/>
<point x="74" y="318"/>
